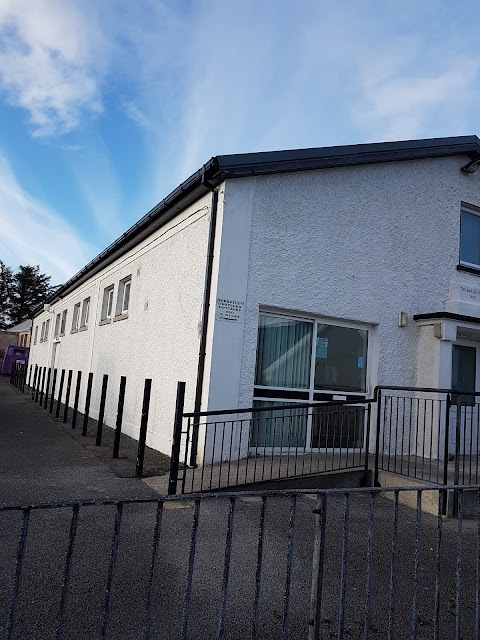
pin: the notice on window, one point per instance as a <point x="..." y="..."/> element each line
<point x="360" y="362"/>
<point x="230" y="310"/>
<point x="322" y="348"/>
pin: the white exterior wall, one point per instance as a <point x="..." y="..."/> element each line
<point x="160" y="337"/>
<point x="358" y="243"/>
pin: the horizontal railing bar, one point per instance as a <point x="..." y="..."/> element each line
<point x="297" y="405"/>
<point x="242" y="494"/>
<point x="330" y="403"/>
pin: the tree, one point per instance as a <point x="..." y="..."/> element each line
<point x="30" y="289"/>
<point x="6" y="285"/>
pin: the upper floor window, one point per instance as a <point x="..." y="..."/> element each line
<point x="107" y="304"/>
<point x="36" y="335"/>
<point x="85" y="312"/>
<point x="63" y="323"/>
<point x="123" y="297"/>
<point x="47" y="329"/>
<point x="42" y="332"/>
<point x="57" y="325"/>
<point x="470" y="238"/>
<point x="76" y="317"/>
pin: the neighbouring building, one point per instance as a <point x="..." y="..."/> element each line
<point x="288" y="276"/>
<point x="23" y="330"/>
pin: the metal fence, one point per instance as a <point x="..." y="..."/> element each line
<point x="356" y="564"/>
<point x="266" y="443"/>
<point x="428" y="434"/>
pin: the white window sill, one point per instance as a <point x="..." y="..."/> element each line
<point x="121" y="316"/>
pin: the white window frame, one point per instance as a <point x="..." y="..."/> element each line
<point x="35" y="335"/>
<point x="47" y="330"/>
<point x="315" y="321"/>
<point x="76" y="318"/>
<point x="85" y="313"/>
<point x="467" y="208"/>
<point x="124" y="285"/>
<point x="63" y="323"/>
<point x="58" y="319"/>
<point x="107" y="303"/>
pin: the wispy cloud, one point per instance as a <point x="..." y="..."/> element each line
<point x="49" y="62"/>
<point x="139" y="118"/>
<point x="31" y="232"/>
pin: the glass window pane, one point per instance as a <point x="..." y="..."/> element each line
<point x="283" y="352"/>
<point x="470" y="238"/>
<point x="341" y="358"/>
<point x="126" y="297"/>
<point x="276" y="428"/>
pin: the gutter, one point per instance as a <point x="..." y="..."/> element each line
<point x="202" y="352"/>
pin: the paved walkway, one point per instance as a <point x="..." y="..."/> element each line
<point x="41" y="462"/>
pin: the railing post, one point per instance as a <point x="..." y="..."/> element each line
<point x="40" y="401"/>
<point x="87" y="404"/>
<point x="377" y="438"/>
<point x="101" y="414"/>
<point x="177" y="439"/>
<point x="67" y="396"/>
<point x="34" y="381"/>
<point x="75" y="402"/>
<point x="24" y="378"/>
<point x="446" y="440"/>
<point x="118" y="424"/>
<point x="12" y="374"/>
<point x="52" y="397"/>
<point x="29" y="376"/>
<point x="37" y="392"/>
<point x="456" y="477"/>
<point x="49" y="377"/>
<point x="60" y="392"/>
<point x="143" y="428"/>
<point x="367" y="444"/>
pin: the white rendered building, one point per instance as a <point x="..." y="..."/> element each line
<point x="283" y="276"/>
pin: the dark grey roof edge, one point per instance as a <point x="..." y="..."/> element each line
<point x="328" y="157"/>
<point x="221" y="167"/>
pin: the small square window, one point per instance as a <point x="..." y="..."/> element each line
<point x="123" y="297"/>
<point x="76" y="318"/>
<point x="107" y="304"/>
<point x="469" y="238"/>
<point x="85" y="311"/>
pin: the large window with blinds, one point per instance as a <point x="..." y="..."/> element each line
<point x="304" y="360"/>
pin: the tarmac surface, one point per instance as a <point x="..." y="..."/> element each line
<point x="40" y="462"/>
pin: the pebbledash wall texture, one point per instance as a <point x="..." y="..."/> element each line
<point x="347" y="245"/>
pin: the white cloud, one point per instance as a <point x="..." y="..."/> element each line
<point x="50" y="62"/>
<point x="31" y="232"/>
<point x="138" y="117"/>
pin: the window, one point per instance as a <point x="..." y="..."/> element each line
<point x="56" y="330"/>
<point x="470" y="238"/>
<point x="76" y="318"/>
<point x="85" y="310"/>
<point x="47" y="329"/>
<point x="123" y="298"/>
<point x="107" y="304"/>
<point x="36" y="335"/>
<point x="308" y="360"/>
<point x="42" y="333"/>
<point x="64" y="323"/>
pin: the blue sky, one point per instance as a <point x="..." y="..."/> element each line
<point x="107" y="105"/>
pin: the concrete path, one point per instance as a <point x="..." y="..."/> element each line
<point x="41" y="462"/>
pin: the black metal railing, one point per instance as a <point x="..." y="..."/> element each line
<point x="428" y="434"/>
<point x="42" y="385"/>
<point x="361" y="564"/>
<point x="267" y="442"/>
